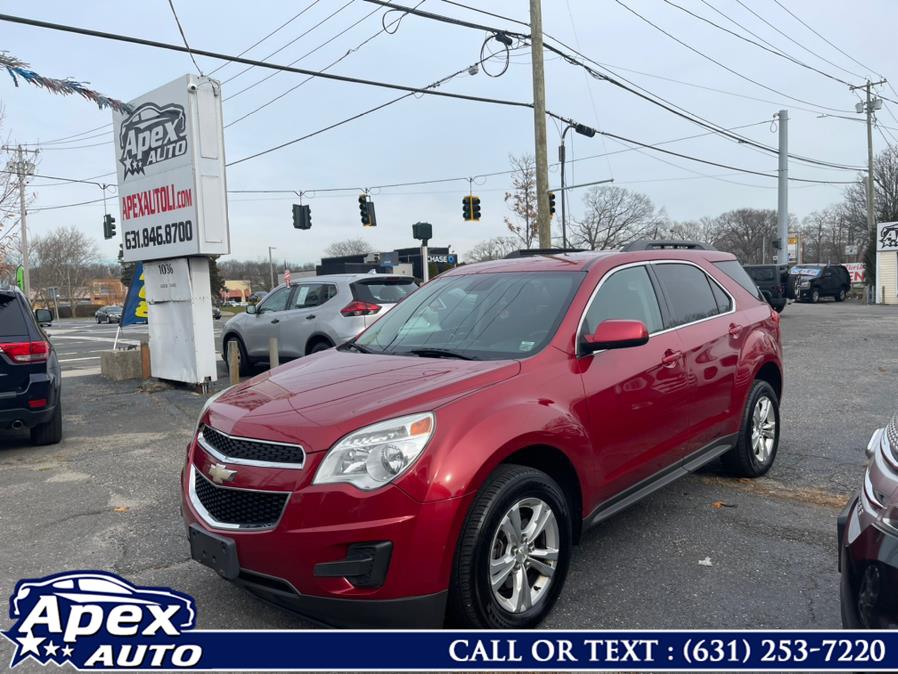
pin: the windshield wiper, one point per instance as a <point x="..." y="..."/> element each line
<point x="357" y="347"/>
<point x="439" y="353"/>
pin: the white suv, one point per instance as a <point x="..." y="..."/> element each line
<point x="313" y="314"/>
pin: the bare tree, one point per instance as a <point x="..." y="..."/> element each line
<point x="745" y="231"/>
<point x="9" y="210"/>
<point x="348" y="247"/>
<point x="615" y="216"/>
<point x="703" y="230"/>
<point x="64" y="258"/>
<point x="522" y="200"/>
<point x="492" y="249"/>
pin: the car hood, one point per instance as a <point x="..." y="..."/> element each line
<point x="318" y="399"/>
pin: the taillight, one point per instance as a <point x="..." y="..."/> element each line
<point x="359" y="308"/>
<point x="26" y="352"/>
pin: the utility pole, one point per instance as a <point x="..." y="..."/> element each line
<point x="543" y="221"/>
<point x="870" y="106"/>
<point x="271" y="265"/>
<point x="22" y="169"/>
<point x="782" y="202"/>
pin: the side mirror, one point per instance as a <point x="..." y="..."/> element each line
<point x="615" y="334"/>
<point x="250" y="308"/>
<point x="43" y="316"/>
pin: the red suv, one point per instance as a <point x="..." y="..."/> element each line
<point x="445" y="461"/>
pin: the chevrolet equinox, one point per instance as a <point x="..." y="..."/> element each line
<point x="442" y="464"/>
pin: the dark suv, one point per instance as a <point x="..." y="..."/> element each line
<point x="29" y="371"/>
<point x="771" y="281"/>
<point x="810" y="282"/>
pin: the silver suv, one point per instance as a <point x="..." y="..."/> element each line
<point x="313" y="314"/>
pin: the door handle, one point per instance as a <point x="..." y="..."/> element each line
<point x="309" y="318"/>
<point x="275" y="320"/>
<point x="735" y="330"/>
<point x="670" y="358"/>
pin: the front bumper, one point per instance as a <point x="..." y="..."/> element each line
<point x="868" y="549"/>
<point x="297" y="562"/>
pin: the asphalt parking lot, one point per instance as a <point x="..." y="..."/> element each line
<point x="709" y="551"/>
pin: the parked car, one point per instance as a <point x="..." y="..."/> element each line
<point x="110" y="314"/>
<point x="771" y="280"/>
<point x="312" y="315"/>
<point x="451" y="455"/>
<point x="868" y="539"/>
<point x="216" y="311"/>
<point x="30" y="380"/>
<point x="810" y="282"/>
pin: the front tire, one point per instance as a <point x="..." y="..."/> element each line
<point x="759" y="436"/>
<point x="841" y="296"/>
<point x="815" y="296"/>
<point x="49" y="433"/>
<point x="513" y="553"/>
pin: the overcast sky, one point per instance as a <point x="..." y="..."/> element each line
<point x="428" y="138"/>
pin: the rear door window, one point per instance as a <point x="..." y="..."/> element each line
<point x="626" y="294"/>
<point x="12" y="318"/>
<point x="383" y="291"/>
<point x="688" y="291"/>
<point x="735" y="271"/>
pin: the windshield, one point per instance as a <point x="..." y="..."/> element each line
<point x="806" y="271"/>
<point x="490" y="316"/>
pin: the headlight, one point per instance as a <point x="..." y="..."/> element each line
<point x="211" y="399"/>
<point x="374" y="455"/>
<point x="805" y="284"/>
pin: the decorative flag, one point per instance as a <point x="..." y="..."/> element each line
<point x="136" y="309"/>
<point x="286" y="276"/>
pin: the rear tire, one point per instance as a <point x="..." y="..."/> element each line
<point x="320" y="345"/>
<point x="841" y="296"/>
<point x="244" y="364"/>
<point x="532" y="548"/>
<point x="755" y="451"/>
<point x="49" y="433"/>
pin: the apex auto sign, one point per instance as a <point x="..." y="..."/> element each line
<point x="887" y="236"/>
<point x="171" y="175"/>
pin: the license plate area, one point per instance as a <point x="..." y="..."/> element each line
<point x="216" y="552"/>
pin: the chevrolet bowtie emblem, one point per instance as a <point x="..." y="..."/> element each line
<point x="219" y="473"/>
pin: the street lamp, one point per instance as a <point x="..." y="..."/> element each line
<point x="271" y="265"/>
<point x="583" y="130"/>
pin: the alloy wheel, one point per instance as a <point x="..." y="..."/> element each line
<point x="763" y="429"/>
<point x="524" y="555"/>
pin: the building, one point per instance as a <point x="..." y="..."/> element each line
<point x="887" y="263"/>
<point x="236" y="290"/>
<point x="105" y="291"/>
<point x="390" y="262"/>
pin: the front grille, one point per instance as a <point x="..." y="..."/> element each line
<point x="239" y="507"/>
<point x="241" y="449"/>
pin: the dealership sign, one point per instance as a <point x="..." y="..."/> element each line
<point x="169" y="154"/>
<point x="856" y="271"/>
<point x="887" y="236"/>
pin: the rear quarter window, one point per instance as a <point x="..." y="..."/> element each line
<point x="383" y="291"/>
<point x="735" y="271"/>
<point x="13" y="322"/>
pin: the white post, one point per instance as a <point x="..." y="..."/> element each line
<point x="425" y="266"/>
<point x="782" y="204"/>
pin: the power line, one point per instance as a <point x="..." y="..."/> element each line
<point x="298" y="37"/>
<point x="261" y="64"/>
<point x="720" y="64"/>
<point x="276" y="30"/>
<point x="184" y="37"/>
<point x="80" y="203"/>
<point x="791" y="39"/>
<point x="486" y="13"/>
<point x="831" y="44"/>
<point x="774" y="51"/>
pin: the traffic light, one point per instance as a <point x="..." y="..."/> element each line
<point x="108" y="226"/>
<point x="552" y="203"/>
<point x="776" y="244"/>
<point x="475" y="212"/>
<point x="466" y="208"/>
<point x="302" y="216"/>
<point x="366" y="211"/>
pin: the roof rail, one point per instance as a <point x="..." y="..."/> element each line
<point x="661" y="244"/>
<point x="533" y="252"/>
